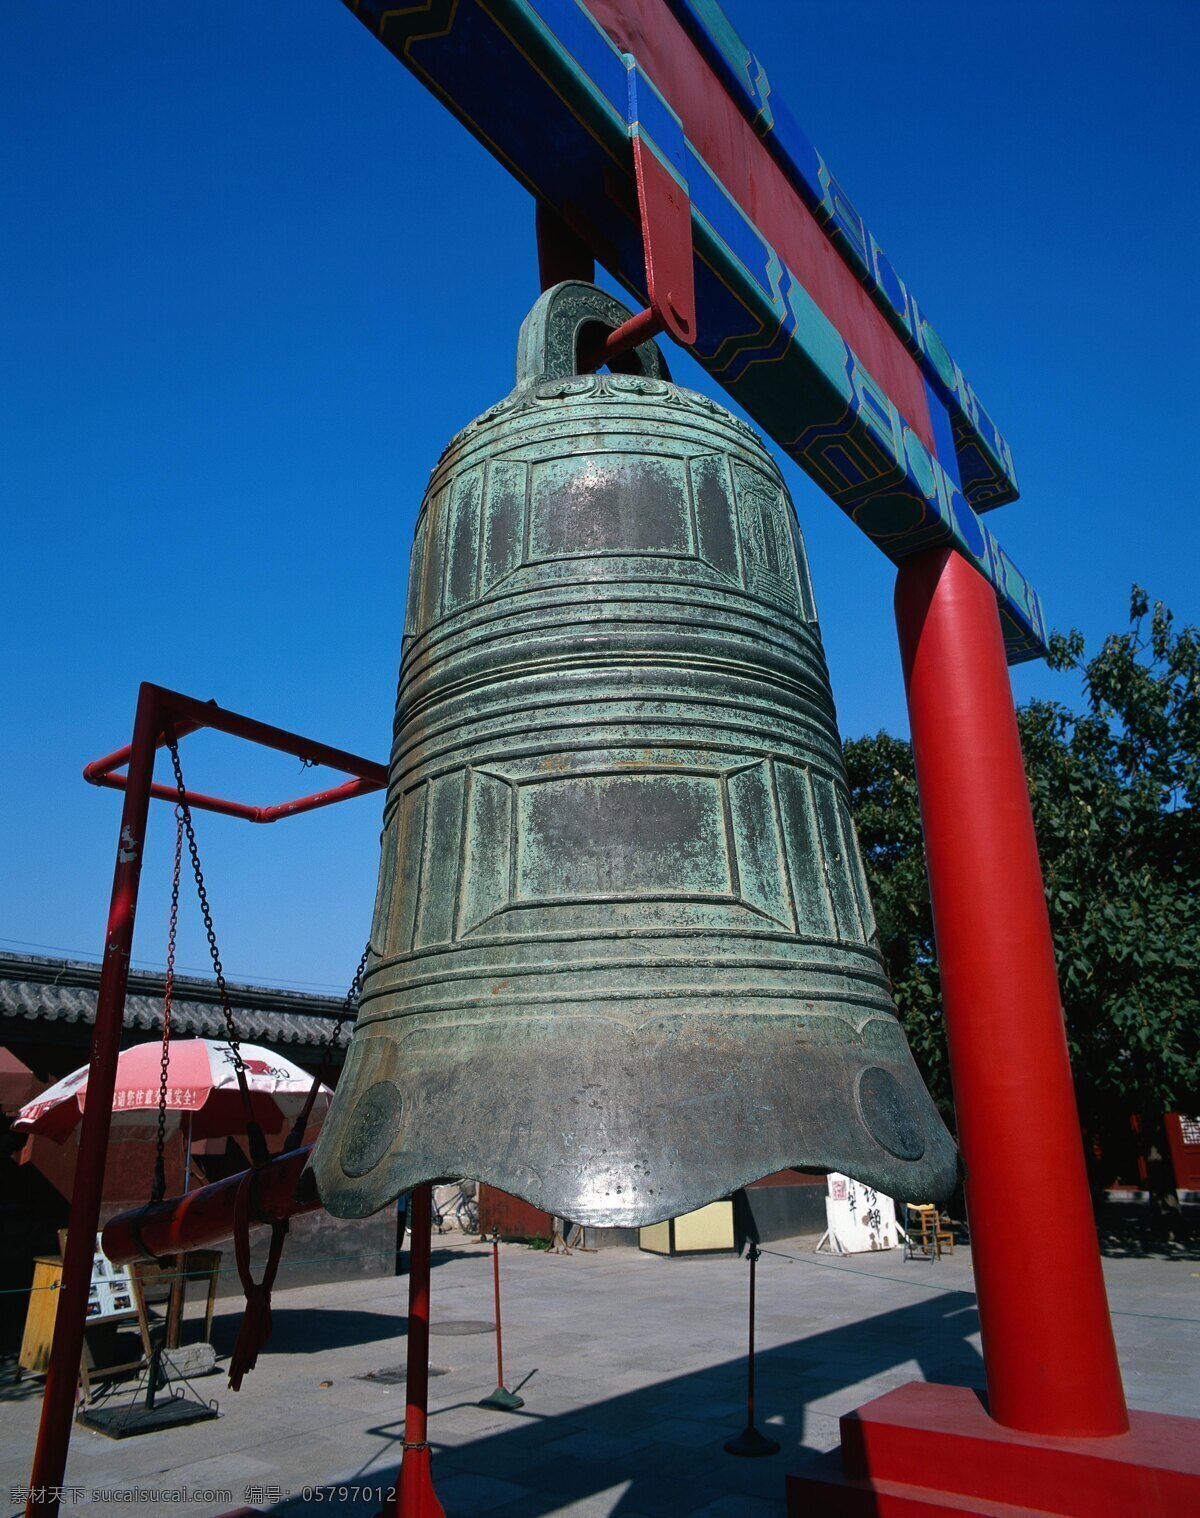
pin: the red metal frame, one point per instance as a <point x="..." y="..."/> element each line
<point x="666" y="216"/>
<point x="161" y="714"/>
<point x="182" y="715"/>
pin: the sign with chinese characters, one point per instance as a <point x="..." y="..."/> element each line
<point x="858" y="1217"/>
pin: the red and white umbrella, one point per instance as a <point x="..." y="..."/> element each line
<point x="202" y="1089"/>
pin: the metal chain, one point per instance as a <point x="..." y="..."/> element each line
<point x="159" y="1186"/>
<point x="349" y="1006"/>
<point x="258" y="1147"/>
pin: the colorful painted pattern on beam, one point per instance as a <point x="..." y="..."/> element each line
<point x="985" y="460"/>
<point x="545" y="89"/>
<point x="740" y="161"/>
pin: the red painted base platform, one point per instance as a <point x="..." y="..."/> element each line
<point x="926" y="1449"/>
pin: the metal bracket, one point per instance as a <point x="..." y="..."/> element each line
<point x="665" y="212"/>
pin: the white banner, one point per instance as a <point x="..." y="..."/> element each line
<point x="858" y="1218"/>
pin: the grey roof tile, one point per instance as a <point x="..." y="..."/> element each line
<point x="62" y="990"/>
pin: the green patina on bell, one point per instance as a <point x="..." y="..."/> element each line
<point x="623" y="957"/>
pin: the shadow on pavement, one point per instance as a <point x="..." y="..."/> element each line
<point x="16" y="1385"/>
<point x="301" y="1330"/>
<point x="296" y="1330"/>
<point x="1133" y="1233"/>
<point x="663" y="1442"/>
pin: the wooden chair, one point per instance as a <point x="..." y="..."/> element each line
<point x="925" y="1231"/>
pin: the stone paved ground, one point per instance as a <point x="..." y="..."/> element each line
<point x="632" y="1368"/>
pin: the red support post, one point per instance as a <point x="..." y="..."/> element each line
<point x="562" y="253"/>
<point x="1049" y="1354"/>
<point x="62" y="1378"/>
<point x="501" y="1399"/>
<point x="415" y="1497"/>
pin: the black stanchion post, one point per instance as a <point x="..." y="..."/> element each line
<point x="750" y="1441"/>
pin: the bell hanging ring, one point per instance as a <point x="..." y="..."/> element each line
<point x="623" y="958"/>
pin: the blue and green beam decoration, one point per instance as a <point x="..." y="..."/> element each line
<point x="800" y="315"/>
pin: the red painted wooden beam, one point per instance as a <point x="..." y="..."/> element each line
<point x="205" y="1217"/>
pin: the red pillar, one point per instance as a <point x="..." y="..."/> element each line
<point x="415" y="1496"/>
<point x="1048" y="1347"/>
<point x="62" y="1378"/>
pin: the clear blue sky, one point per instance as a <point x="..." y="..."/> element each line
<point x="254" y="276"/>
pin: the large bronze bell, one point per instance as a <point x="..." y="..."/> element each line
<point x="623" y="958"/>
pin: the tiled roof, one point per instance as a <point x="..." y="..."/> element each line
<point x="64" y="991"/>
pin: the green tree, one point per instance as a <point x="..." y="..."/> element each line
<point x="1115" y="790"/>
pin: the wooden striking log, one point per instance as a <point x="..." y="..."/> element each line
<point x="205" y="1217"/>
